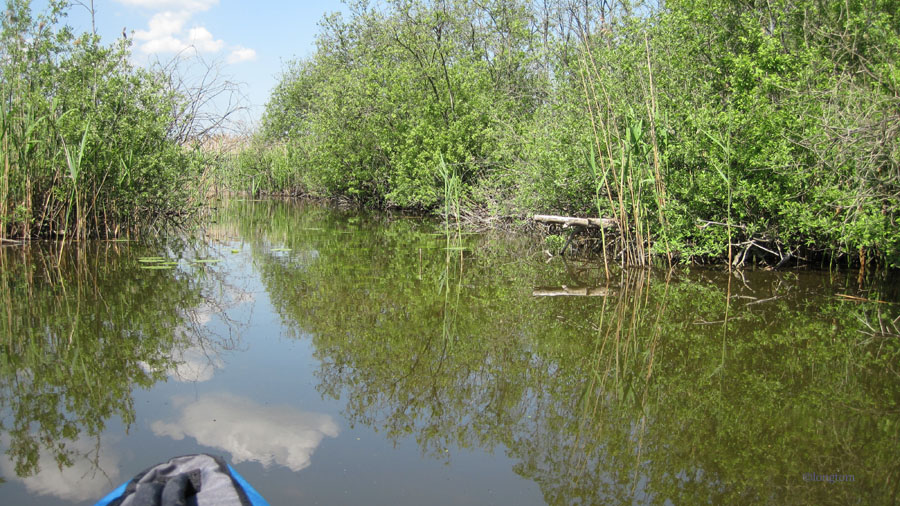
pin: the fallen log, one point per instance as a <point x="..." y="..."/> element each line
<point x="569" y="221"/>
<point x="570" y="291"/>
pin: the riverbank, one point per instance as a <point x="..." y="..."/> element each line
<point x="713" y="132"/>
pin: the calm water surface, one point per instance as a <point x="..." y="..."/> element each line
<point x="338" y="358"/>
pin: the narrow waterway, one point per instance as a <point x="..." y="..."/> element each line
<point x="339" y="358"/>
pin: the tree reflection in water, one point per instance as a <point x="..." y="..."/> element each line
<point x="80" y="330"/>
<point x="684" y="387"/>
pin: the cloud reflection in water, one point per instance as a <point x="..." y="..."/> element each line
<point x="194" y="364"/>
<point x="81" y="481"/>
<point x="250" y="431"/>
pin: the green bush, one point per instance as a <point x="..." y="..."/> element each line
<point x="88" y="145"/>
<point x="707" y="129"/>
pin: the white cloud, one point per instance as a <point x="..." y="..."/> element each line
<point x="163" y="24"/>
<point x="166" y="32"/>
<point x="163" y="45"/>
<point x="204" y="41"/>
<point x="79" y="482"/>
<point x="249" y="431"/>
<point x="240" y="54"/>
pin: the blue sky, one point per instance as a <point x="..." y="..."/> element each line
<point x="250" y="39"/>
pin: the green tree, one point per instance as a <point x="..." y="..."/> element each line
<point x="707" y="130"/>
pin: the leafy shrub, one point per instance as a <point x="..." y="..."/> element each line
<point x="705" y="128"/>
<point x="89" y="144"/>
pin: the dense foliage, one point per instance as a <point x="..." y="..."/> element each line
<point x="89" y="144"/>
<point x="707" y="129"/>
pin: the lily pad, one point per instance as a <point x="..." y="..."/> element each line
<point x="151" y="260"/>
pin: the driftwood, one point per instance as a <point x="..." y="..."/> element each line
<point x="568" y="221"/>
<point x="574" y="224"/>
<point x="570" y="291"/>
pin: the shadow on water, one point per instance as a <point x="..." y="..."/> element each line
<point x="690" y="386"/>
<point x="684" y="387"/>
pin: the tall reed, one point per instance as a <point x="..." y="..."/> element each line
<point x="452" y="192"/>
<point x="74" y="164"/>
<point x="625" y="158"/>
<point x="88" y="144"/>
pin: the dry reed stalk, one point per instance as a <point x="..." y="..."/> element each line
<point x="660" y="183"/>
<point x="617" y="205"/>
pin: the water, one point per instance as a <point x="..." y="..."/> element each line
<point x="341" y="358"/>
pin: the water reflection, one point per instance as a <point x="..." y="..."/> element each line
<point x="194" y="364"/>
<point x="91" y="470"/>
<point x="250" y="431"/>
<point x="80" y="331"/>
<point x="648" y="387"/>
<point x="683" y="387"/>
